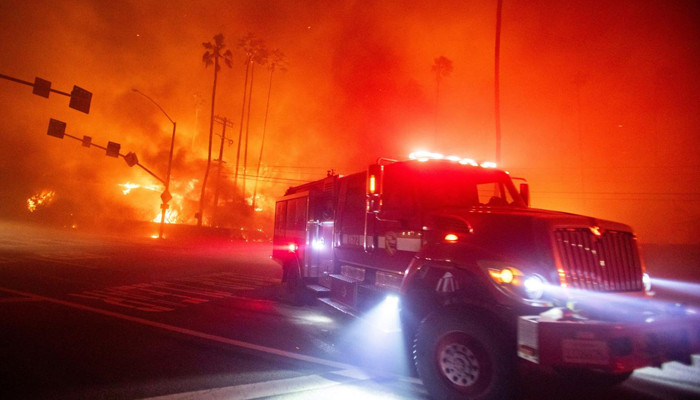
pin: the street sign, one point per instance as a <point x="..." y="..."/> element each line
<point x="42" y="87"/>
<point x="87" y="141"/>
<point x="80" y="99"/>
<point x="131" y="159"/>
<point x="166" y="196"/>
<point x="57" y="128"/>
<point x="113" y="149"/>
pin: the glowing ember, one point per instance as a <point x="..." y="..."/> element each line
<point x="44" y="198"/>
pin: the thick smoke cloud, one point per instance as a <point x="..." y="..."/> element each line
<point x="598" y="99"/>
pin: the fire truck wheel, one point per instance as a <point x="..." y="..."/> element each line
<point x="463" y="357"/>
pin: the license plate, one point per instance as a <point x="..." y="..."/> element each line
<point x="585" y="352"/>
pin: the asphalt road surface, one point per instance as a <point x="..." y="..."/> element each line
<point x="88" y="316"/>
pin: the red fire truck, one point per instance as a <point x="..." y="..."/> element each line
<point x="482" y="278"/>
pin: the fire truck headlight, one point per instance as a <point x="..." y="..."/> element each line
<point x="527" y="286"/>
<point x="505" y="275"/>
<point x="646" y="280"/>
<point x="534" y="287"/>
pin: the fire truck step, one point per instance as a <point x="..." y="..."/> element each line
<point x="344" y="278"/>
<point x="337" y="306"/>
<point x="318" y="290"/>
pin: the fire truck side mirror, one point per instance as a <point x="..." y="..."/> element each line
<point x="525" y="193"/>
<point x="375" y="179"/>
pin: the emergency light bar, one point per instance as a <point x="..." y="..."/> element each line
<point x="424" y="156"/>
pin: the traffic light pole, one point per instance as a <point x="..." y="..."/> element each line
<point x="80" y="98"/>
<point x="166" y="196"/>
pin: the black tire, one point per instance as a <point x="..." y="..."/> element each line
<point x="464" y="357"/>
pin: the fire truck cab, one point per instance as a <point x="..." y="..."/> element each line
<point x="482" y="278"/>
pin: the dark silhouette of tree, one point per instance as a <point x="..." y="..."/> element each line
<point x="214" y="52"/>
<point x="277" y="60"/>
<point x="441" y="68"/>
<point x="255" y="53"/>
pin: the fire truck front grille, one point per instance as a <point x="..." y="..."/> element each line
<point x="608" y="262"/>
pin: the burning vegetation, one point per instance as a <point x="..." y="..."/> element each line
<point x="41" y="199"/>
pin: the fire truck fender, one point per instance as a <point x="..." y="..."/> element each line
<point x="439" y="286"/>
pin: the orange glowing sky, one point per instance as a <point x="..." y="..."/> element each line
<point x="599" y="99"/>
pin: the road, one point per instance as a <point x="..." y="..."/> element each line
<point x="87" y="316"/>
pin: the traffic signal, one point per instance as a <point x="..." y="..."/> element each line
<point x="87" y="141"/>
<point x="113" y="149"/>
<point x="42" y="87"/>
<point x="131" y="159"/>
<point x="57" y="128"/>
<point x="80" y="99"/>
<point x="166" y="197"/>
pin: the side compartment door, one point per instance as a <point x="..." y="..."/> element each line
<point x="325" y="253"/>
<point x="350" y="218"/>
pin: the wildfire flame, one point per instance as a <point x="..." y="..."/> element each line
<point x="43" y="198"/>
<point x="172" y="214"/>
<point x="128" y="187"/>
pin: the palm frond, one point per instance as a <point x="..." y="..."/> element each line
<point x="207" y="58"/>
<point x="219" y="40"/>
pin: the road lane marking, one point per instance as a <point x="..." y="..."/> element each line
<point x="64" y="262"/>
<point x="257" y="390"/>
<point x="185" y="331"/>
<point x="165" y="296"/>
<point x="7" y="260"/>
<point x="68" y="255"/>
<point x="296" y="386"/>
<point x="17" y="299"/>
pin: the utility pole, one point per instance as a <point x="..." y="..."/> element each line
<point x="497" y="90"/>
<point x="225" y="122"/>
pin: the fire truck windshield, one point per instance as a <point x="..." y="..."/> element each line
<point x="469" y="187"/>
<point x="439" y="185"/>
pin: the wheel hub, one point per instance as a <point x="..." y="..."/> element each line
<point x="459" y="365"/>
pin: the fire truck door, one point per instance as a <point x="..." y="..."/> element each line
<point x="319" y="255"/>
<point x="396" y="245"/>
<point x="325" y="253"/>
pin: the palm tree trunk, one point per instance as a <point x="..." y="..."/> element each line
<point x="247" y="128"/>
<point x="240" y="131"/>
<point x="262" y="142"/>
<point x="211" y="134"/>
<point x="437" y="105"/>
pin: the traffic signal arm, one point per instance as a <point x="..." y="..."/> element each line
<point x="80" y="98"/>
<point x="58" y="129"/>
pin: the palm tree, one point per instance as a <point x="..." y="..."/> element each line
<point x="441" y="68"/>
<point x="211" y="56"/>
<point x="277" y="61"/>
<point x="255" y="53"/>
